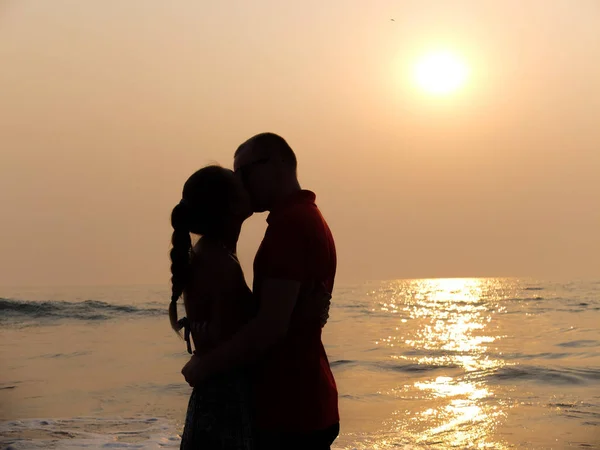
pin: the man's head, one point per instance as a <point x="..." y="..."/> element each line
<point x="267" y="166"/>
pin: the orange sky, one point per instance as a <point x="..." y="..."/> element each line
<point x="106" y="107"/>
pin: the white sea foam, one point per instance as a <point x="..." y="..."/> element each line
<point x="88" y="433"/>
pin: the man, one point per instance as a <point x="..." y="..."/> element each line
<point x="295" y="392"/>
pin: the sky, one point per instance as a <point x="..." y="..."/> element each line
<point x="106" y="107"/>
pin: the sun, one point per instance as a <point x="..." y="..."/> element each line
<point x="440" y="73"/>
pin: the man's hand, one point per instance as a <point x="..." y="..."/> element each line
<point x="193" y="371"/>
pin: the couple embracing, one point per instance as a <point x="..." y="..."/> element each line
<point x="260" y="375"/>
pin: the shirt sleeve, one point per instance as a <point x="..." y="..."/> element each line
<point x="287" y="250"/>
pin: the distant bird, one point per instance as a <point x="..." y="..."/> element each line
<point x="392" y="20"/>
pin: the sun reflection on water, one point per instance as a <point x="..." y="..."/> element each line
<point x="447" y="329"/>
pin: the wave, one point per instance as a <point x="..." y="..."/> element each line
<point x="414" y="367"/>
<point x="342" y="362"/>
<point x="582" y="343"/>
<point x="18" y="311"/>
<point x="546" y="375"/>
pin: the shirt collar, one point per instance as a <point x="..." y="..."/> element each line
<point x="302" y="196"/>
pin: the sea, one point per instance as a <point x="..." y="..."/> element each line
<point x="483" y="363"/>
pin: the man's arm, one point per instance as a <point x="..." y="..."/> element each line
<point x="279" y="291"/>
<point x="277" y="301"/>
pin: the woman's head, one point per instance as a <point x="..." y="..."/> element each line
<point x="212" y="200"/>
<point x="213" y="204"/>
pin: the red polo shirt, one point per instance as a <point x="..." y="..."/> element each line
<point x="295" y="389"/>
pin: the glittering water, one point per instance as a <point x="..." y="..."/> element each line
<point x="457" y="363"/>
<point x="469" y="363"/>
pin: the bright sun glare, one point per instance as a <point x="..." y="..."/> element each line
<point x="440" y="73"/>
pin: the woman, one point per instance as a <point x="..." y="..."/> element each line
<point x="217" y="303"/>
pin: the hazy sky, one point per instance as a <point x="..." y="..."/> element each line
<point x="106" y="107"/>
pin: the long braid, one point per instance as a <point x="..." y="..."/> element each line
<point x="180" y="259"/>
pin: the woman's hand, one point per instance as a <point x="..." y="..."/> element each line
<point x="193" y="371"/>
<point x="313" y="304"/>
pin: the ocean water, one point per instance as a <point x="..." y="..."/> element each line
<point x="420" y="364"/>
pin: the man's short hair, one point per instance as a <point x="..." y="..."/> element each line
<point x="274" y="145"/>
